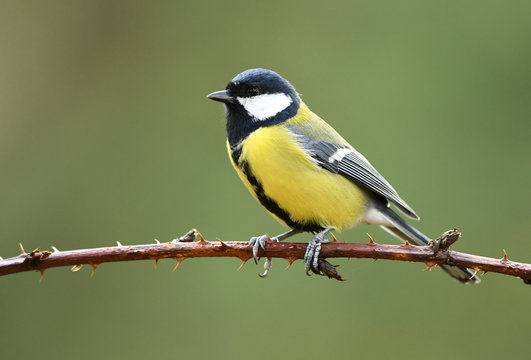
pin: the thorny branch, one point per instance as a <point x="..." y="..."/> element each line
<point x="185" y="247"/>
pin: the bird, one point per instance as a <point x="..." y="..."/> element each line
<point x="303" y="172"/>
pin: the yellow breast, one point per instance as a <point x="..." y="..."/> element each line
<point x="297" y="184"/>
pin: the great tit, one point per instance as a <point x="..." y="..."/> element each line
<point x="303" y="172"/>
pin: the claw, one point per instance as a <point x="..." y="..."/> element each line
<point x="76" y="267"/>
<point x="311" y="257"/>
<point x="258" y="242"/>
<point x="267" y="267"/>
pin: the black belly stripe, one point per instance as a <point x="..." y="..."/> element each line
<point x="271" y="205"/>
<point x="235" y="153"/>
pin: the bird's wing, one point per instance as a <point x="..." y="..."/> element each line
<point x="334" y="154"/>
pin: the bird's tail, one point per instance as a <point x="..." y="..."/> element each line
<point x="406" y="232"/>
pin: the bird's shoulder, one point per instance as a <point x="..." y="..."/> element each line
<point x="311" y="126"/>
<point x="333" y="153"/>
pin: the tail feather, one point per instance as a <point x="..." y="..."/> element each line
<point x="406" y="232"/>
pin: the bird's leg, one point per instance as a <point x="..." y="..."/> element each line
<point x="311" y="257"/>
<point x="258" y="242"/>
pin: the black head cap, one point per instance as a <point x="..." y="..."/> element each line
<point x="274" y="99"/>
<point x="260" y="81"/>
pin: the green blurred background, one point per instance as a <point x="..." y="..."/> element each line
<point x="106" y="135"/>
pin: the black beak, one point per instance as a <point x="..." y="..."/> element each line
<point x="221" y="96"/>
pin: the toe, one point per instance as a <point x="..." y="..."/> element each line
<point x="308" y="256"/>
<point x="315" y="263"/>
<point x="256" y="243"/>
<point x="256" y="246"/>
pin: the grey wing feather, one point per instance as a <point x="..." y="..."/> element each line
<point x="352" y="165"/>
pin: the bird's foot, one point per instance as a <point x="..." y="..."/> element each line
<point x="311" y="257"/>
<point x="258" y="242"/>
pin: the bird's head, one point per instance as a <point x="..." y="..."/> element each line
<point x="256" y="98"/>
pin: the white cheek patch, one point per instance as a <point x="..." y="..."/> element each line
<point x="263" y="107"/>
<point x="339" y="155"/>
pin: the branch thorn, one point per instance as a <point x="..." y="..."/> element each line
<point x="371" y="240"/>
<point x="504" y="256"/>
<point x="94" y="266"/>
<point x="156" y="263"/>
<point x="21" y="248"/>
<point x="156" y="241"/>
<point x="242" y="264"/>
<point x="476" y="270"/>
<point x="42" y="275"/>
<point x="223" y="245"/>
<point x="76" y="268"/>
<point x="55" y="250"/>
<point x="333" y="237"/>
<point x="291" y="261"/>
<point x="179" y="261"/>
<point x="118" y="243"/>
<point x="429" y="266"/>
<point x="1" y="258"/>
<point x="201" y="238"/>
<point x="484" y="272"/>
<point x="406" y="244"/>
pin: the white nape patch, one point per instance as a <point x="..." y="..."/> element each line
<point x="339" y="155"/>
<point x="265" y="106"/>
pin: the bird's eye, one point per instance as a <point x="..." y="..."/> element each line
<point x="253" y="91"/>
